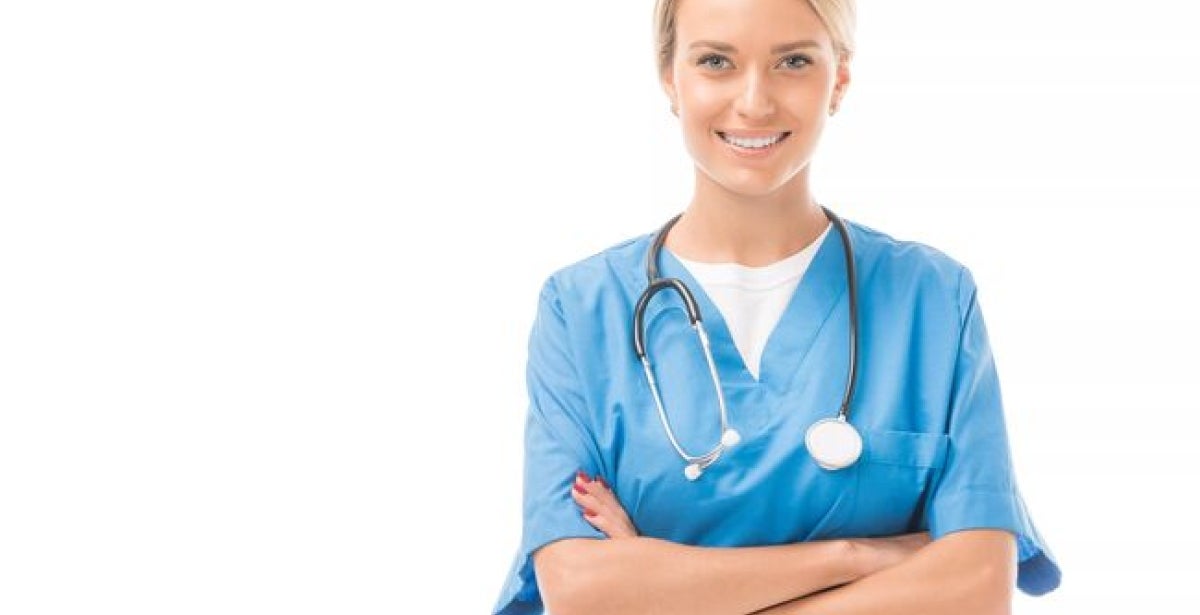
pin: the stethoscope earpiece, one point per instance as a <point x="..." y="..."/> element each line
<point x="730" y="438"/>
<point x="833" y="443"/>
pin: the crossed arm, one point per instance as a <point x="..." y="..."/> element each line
<point x="971" y="571"/>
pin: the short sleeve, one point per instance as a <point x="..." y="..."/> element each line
<point x="557" y="445"/>
<point x="977" y="488"/>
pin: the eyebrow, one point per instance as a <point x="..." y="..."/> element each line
<point x="776" y="49"/>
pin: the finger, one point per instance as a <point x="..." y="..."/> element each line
<point x="610" y="516"/>
<point x="605" y="498"/>
<point x="597" y="512"/>
<point x="584" y="499"/>
<point x="584" y="482"/>
<point x="597" y="496"/>
<point x="597" y="490"/>
<point x="599" y="485"/>
<point x="599" y="522"/>
<point x="590" y="509"/>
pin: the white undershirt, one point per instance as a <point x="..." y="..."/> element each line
<point x="752" y="299"/>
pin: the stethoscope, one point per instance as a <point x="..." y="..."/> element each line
<point x="833" y="442"/>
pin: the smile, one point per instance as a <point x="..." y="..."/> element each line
<point x="753" y="143"/>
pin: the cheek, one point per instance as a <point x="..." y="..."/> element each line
<point x="703" y="100"/>
<point x="804" y="102"/>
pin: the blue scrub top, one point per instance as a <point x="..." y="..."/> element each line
<point x="936" y="456"/>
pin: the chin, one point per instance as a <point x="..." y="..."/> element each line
<point x="756" y="190"/>
<point x="749" y="184"/>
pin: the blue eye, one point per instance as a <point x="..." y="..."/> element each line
<point x="705" y="61"/>
<point x="803" y="58"/>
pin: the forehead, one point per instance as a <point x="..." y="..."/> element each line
<point x="748" y="22"/>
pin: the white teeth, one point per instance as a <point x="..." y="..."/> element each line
<point x="758" y="143"/>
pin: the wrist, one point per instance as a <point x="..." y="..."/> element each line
<point x="857" y="555"/>
<point x="853" y="556"/>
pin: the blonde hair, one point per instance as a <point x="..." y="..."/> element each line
<point x="838" y="16"/>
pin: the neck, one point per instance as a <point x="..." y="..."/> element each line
<point x="720" y="226"/>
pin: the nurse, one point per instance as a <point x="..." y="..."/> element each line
<point x="922" y="514"/>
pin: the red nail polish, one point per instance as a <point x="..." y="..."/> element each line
<point x="579" y="489"/>
<point x="588" y="513"/>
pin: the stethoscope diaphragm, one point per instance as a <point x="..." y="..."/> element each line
<point x="833" y="443"/>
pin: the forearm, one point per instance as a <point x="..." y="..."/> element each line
<point x="965" y="572"/>
<point x="647" y="575"/>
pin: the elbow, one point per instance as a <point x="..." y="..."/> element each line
<point x="994" y="579"/>
<point x="995" y="591"/>
<point x="567" y="576"/>
<point x="982" y="568"/>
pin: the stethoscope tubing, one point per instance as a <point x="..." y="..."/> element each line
<point x="656" y="284"/>
<point x="693" y="311"/>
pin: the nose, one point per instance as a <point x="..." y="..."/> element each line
<point x="754" y="101"/>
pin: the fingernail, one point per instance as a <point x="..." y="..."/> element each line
<point x="581" y="476"/>
<point x="588" y="513"/>
<point x="601" y="480"/>
<point x="579" y="489"/>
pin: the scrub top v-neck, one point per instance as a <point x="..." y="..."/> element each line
<point x="751" y="299"/>
<point x="936" y="454"/>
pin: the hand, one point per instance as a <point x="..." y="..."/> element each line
<point x="601" y="507"/>
<point x="875" y="554"/>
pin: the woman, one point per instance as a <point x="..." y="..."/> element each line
<point x="647" y="489"/>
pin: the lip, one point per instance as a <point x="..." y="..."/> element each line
<point x="751" y="134"/>
<point x="747" y="153"/>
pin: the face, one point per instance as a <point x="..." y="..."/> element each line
<point x="753" y="82"/>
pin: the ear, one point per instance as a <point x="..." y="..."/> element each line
<point x="841" y="81"/>
<point x="667" y="80"/>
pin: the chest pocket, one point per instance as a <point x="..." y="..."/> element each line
<point x="896" y="474"/>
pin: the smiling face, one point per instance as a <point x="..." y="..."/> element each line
<point x="753" y="82"/>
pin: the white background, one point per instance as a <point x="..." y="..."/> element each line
<point x="267" y="273"/>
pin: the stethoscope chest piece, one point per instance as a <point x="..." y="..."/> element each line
<point x="833" y="443"/>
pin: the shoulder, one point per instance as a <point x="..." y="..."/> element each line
<point x="608" y="273"/>
<point x="911" y="266"/>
